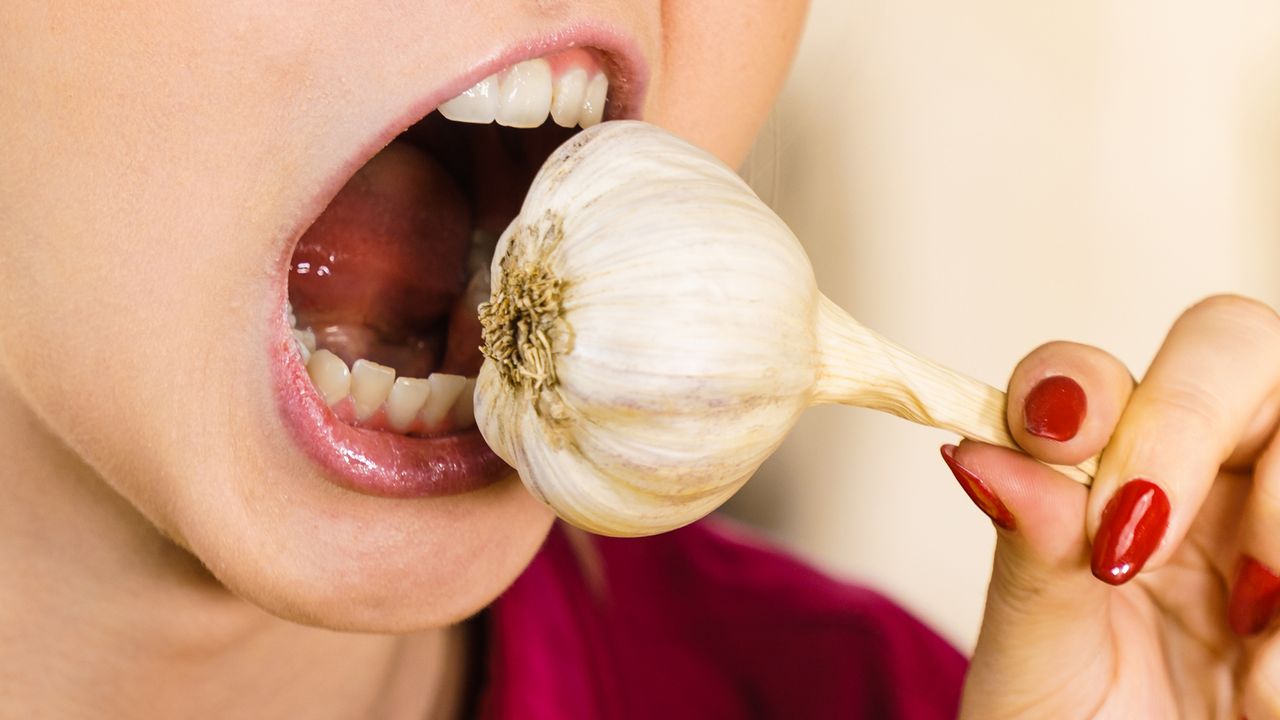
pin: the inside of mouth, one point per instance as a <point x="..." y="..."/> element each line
<point x="385" y="284"/>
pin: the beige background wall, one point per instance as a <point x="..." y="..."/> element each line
<point x="973" y="179"/>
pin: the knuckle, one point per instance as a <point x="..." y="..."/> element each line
<point x="1266" y="485"/>
<point x="1064" y="355"/>
<point x="1039" y="356"/>
<point x="1056" y="346"/>
<point x="1189" y="404"/>
<point x="1061" y="348"/>
<point x="1237" y="309"/>
<point x="1264" y="685"/>
<point x="1266" y="502"/>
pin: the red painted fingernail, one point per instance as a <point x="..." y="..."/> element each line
<point x="1255" y="596"/>
<point x="1132" y="525"/>
<point x="978" y="492"/>
<point x="1055" y="408"/>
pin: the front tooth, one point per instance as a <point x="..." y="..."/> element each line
<point x="444" y="390"/>
<point x="524" y="94"/>
<point x="330" y="376"/>
<point x="568" y="97"/>
<point x="464" y="410"/>
<point x="593" y="105"/>
<point x="406" y="399"/>
<point x="477" y="104"/>
<point x="370" y="384"/>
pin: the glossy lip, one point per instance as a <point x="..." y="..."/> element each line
<point x="397" y="466"/>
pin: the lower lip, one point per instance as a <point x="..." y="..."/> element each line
<point x="379" y="463"/>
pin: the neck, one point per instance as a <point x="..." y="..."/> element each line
<point x="102" y="616"/>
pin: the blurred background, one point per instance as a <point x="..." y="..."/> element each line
<point x="975" y="179"/>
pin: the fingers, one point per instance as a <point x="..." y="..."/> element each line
<point x="1065" y="400"/>
<point x="1261" y="690"/>
<point x="1255" y="590"/>
<point x="1217" y="367"/>
<point x="1211" y="397"/>
<point x="1046" y="617"/>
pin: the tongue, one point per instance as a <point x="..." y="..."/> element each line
<point x="384" y="262"/>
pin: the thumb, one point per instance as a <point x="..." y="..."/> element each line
<point x="1045" y="646"/>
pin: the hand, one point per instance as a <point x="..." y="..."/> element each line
<point x="1150" y="595"/>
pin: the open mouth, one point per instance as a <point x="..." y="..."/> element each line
<point x="381" y="349"/>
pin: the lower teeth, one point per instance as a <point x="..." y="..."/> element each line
<point x="370" y="395"/>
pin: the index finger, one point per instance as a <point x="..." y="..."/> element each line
<point x="1218" y="365"/>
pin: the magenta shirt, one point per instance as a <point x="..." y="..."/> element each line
<point x="704" y="622"/>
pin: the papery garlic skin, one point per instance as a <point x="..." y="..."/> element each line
<point x="682" y="348"/>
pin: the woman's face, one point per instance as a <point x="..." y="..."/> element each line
<point x="161" y="170"/>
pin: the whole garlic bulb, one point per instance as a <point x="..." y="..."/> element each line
<point x="655" y="331"/>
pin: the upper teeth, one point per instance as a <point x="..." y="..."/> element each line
<point x="524" y="94"/>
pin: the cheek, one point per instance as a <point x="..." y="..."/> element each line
<point x="725" y="61"/>
<point x="135" y="246"/>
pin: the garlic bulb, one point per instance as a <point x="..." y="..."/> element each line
<point x="655" y="331"/>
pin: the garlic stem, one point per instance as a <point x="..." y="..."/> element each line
<point x="860" y="368"/>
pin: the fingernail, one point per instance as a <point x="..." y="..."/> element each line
<point x="1055" y="408"/>
<point x="1255" y="597"/>
<point x="1132" y="525"/>
<point x="981" y="495"/>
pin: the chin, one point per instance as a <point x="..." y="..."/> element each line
<point x="378" y="565"/>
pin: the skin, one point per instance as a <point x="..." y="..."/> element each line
<point x="1202" y="424"/>
<point x="165" y="547"/>
<point x="158" y="522"/>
